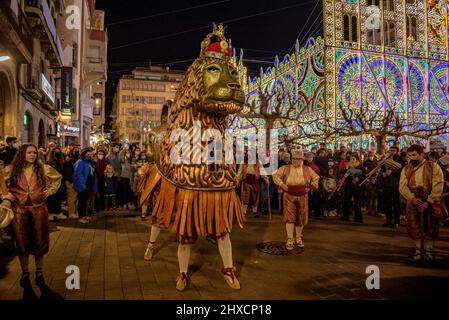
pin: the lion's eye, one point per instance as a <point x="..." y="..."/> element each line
<point x="234" y="73"/>
<point x="213" y="69"/>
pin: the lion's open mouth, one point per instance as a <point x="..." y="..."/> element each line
<point x="226" y="107"/>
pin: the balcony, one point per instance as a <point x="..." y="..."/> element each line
<point x="18" y="40"/>
<point x="95" y="64"/>
<point x="39" y="12"/>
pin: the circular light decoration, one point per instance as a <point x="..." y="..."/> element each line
<point x="301" y="70"/>
<point x="318" y="62"/>
<point x="349" y="79"/>
<point x="416" y="83"/>
<point x="438" y="98"/>
<point x="390" y="78"/>
<point x="319" y="101"/>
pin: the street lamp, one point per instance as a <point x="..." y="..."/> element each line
<point x="4" y="58"/>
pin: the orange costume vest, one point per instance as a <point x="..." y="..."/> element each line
<point x="252" y="179"/>
<point x="32" y="194"/>
<point x="427" y="177"/>
<point x="257" y="171"/>
<point x="297" y="190"/>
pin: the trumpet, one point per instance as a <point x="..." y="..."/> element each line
<point x="389" y="162"/>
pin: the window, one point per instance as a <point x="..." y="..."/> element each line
<point x="160" y="100"/>
<point x="75" y="99"/>
<point x="42" y="66"/>
<point x="350" y="29"/>
<point x="374" y="36"/>
<point x="129" y="111"/>
<point x="373" y="2"/>
<point x="75" y="55"/>
<point x="354" y="29"/>
<point x="98" y="104"/>
<point x="411" y="1"/>
<point x="389" y="34"/>
<point x="94" y="54"/>
<point x="346" y="27"/>
<point x="411" y="27"/>
<point x="389" y="5"/>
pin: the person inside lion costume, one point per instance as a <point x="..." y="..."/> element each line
<point x="196" y="198"/>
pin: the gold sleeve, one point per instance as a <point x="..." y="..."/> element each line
<point x="314" y="177"/>
<point x="240" y="172"/>
<point x="54" y="180"/>
<point x="7" y="173"/>
<point x="6" y="176"/>
<point x="143" y="170"/>
<point x="403" y="187"/>
<point x="437" y="183"/>
<point x="277" y="176"/>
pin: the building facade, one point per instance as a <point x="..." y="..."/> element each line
<point x="373" y="54"/>
<point x="45" y="71"/>
<point x="140" y="98"/>
<point x="28" y="98"/>
<point x="84" y="40"/>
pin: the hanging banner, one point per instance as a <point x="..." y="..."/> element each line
<point x="66" y="91"/>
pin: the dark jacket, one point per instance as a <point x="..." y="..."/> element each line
<point x="67" y="169"/>
<point x="7" y="155"/>
<point x="369" y="165"/>
<point x="100" y="167"/>
<point x="110" y="184"/>
<point x="391" y="181"/>
<point x="322" y="164"/>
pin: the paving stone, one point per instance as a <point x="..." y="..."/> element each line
<point x="109" y="253"/>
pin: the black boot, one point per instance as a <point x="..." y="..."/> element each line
<point x="39" y="281"/>
<point x="28" y="292"/>
<point x="25" y="280"/>
<point x="46" y="293"/>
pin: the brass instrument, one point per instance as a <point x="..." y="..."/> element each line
<point x="350" y="172"/>
<point x="389" y="162"/>
<point x="339" y="185"/>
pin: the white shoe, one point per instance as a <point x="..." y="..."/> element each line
<point x="5" y="236"/>
<point x="88" y="218"/>
<point x="51" y="217"/>
<point x="131" y="207"/>
<point x="83" y="220"/>
<point x="61" y="216"/>
<point x="74" y="216"/>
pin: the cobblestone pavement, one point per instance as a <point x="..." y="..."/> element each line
<point x="109" y="252"/>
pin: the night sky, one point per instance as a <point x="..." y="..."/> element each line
<point x="172" y="36"/>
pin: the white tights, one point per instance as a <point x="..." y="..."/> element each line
<point x="224" y="247"/>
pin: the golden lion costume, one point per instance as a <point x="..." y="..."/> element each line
<point x="196" y="198"/>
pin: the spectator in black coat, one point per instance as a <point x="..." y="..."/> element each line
<point x="10" y="150"/>
<point x="67" y="176"/>
<point x="110" y="185"/>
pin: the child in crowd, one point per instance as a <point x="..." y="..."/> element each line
<point x="110" y="187"/>
<point x="329" y="186"/>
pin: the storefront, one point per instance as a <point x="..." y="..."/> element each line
<point x="70" y="134"/>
